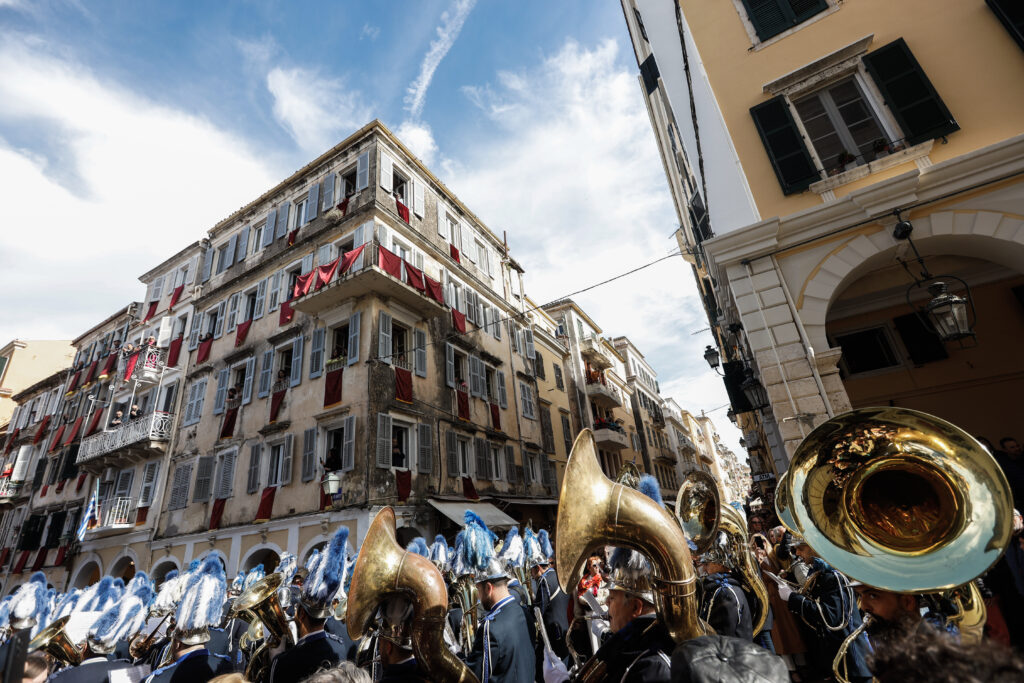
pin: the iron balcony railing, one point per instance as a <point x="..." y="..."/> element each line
<point x="153" y="427"/>
<point x="148" y="366"/>
<point x="11" y="489"/>
<point x="117" y="512"/>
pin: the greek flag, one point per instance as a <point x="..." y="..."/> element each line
<point x="89" y="517"/>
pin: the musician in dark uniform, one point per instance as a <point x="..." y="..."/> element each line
<point x="723" y="603"/>
<point x="827" y="606"/>
<point x="316" y="649"/>
<point x="200" y="608"/>
<point x="550" y="599"/>
<point x="395" y="644"/>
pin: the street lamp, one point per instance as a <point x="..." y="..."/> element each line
<point x="731" y="415"/>
<point x="712" y="356"/>
<point x="755" y="392"/>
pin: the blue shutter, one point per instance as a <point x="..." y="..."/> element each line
<point x="200" y="397"/>
<point x="502" y="395"/>
<point x="243" y="245"/>
<point x="449" y="365"/>
<point x="218" y="329"/>
<point x="316" y="353"/>
<point x="250" y="368"/>
<point x="420" y="338"/>
<point x="197" y="323"/>
<point x="222" y="390"/>
<point x="282" y="220"/>
<point x="348" y="446"/>
<point x="261" y="297"/>
<point x="384" y="338"/>
<point x="307" y="266"/>
<point x="268" y="229"/>
<point x="313" y="203"/>
<point x="353" y="338"/>
<point x="328" y="192"/>
<point x="207" y="263"/>
<point x="229" y="255"/>
<point x="309" y="454"/>
<point x="296" y="377"/>
<point x="363" y="171"/>
<point x="265" y="374"/>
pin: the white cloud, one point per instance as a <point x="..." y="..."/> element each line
<point x="369" y="31"/>
<point x="451" y="24"/>
<point x="419" y="138"/>
<point x="317" y="111"/>
<point x="570" y="169"/>
<point x="100" y="185"/>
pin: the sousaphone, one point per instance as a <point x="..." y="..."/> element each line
<point x="54" y="641"/>
<point x="698" y="508"/>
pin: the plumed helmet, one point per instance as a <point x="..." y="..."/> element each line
<point x="286" y="567"/>
<point x="326" y="576"/>
<point x="123" y="619"/>
<point x="237" y="584"/>
<point x="718" y="552"/>
<point x="439" y="552"/>
<point x="512" y="552"/>
<point x="29" y="604"/>
<point x="631" y="573"/>
<point x="418" y="545"/>
<point x="531" y="547"/>
<point x="255" y="574"/>
<point x="201" y="603"/>
<point x="478" y="550"/>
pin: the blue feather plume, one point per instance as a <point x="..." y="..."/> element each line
<point x="478" y="542"/>
<point x="326" y="577"/>
<point x="418" y="545"/>
<point x="439" y="551"/>
<point x="170" y="575"/>
<point x="38" y="577"/>
<point x="649" y="487"/>
<point x="545" y="544"/>
<point x="202" y="600"/>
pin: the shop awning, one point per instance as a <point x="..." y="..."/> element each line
<point x="492" y="516"/>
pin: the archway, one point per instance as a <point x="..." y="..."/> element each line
<point x="162" y="568"/>
<point x="268" y="557"/>
<point x="405" y="534"/>
<point x="124" y="568"/>
<point x="87" y="574"/>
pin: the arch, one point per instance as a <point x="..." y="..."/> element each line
<point x="267" y="554"/>
<point x="216" y="553"/>
<point x="988" y="235"/>
<point x="318" y="543"/>
<point x="123" y="567"/>
<point x="88" y="573"/>
<point x="405" y="534"/>
<point x="162" y="567"/>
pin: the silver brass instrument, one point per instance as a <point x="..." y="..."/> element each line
<point x="54" y="641"/>
<point x="735" y="528"/>
<point x="698" y="508"/>
<point x="141" y="644"/>
<point x="261" y="602"/>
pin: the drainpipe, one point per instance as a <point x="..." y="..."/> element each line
<point x="805" y="339"/>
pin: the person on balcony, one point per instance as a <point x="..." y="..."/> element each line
<point x="134" y="412"/>
<point x="232" y="395"/>
<point x="118" y="419"/>
<point x="333" y="461"/>
<point x="128" y="349"/>
<point x="397" y="456"/>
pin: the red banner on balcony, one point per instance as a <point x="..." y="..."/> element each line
<point x="349" y="259"/>
<point x="343" y="207"/>
<point x="129" y="365"/>
<point x="62" y="551"/>
<point x="216" y="513"/>
<point x="454" y="252"/>
<point x="90" y="374"/>
<point x="241" y="332"/>
<point x="43" y="491"/>
<point x="403" y="210"/>
<point x="434" y="289"/>
<point x="204" y="351"/>
<point x="151" y="311"/>
<point x="41" y="430"/>
<point x="227" y="430"/>
<point x="459" y="321"/>
<point x="10" y="440"/>
<point x="292" y="236"/>
<point x="61" y="484"/>
<point x="303" y="283"/>
<point x="403" y="385"/>
<point x="389" y="263"/>
<point x="140" y="515"/>
<point x="4" y="554"/>
<point x="495" y="416"/>
<point x="94" y="423"/>
<point x="266" y="508"/>
<point x="286" y="315"/>
<point x="463" y="401"/>
<point x="403" y="484"/>
<point x="325" y="272"/>
<point x="332" y="388"/>
<point x="74" y="382"/>
<point x="325" y="499"/>
<point x="81" y="480"/>
<point x="275" y="403"/>
<point x="468" y="490"/>
<point x="56" y="438"/>
<point x="175" y="295"/>
<point x="19" y="566"/>
<point x="73" y="434"/>
<point x="40" y="559"/>
<point x="109" y="366"/>
<point x="414" y="276"/>
<point x="173" y="351"/>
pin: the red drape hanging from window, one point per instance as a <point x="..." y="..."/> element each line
<point x="41" y="430"/>
<point x="217" y="512"/>
<point x="175" y="295"/>
<point x="173" y="351"/>
<point x="287" y="313"/>
<point x="463" y="400"/>
<point x="81" y="480"/>
<point x="403" y="484"/>
<point x="326" y="272"/>
<point x="389" y="263"/>
<point x="74" y="431"/>
<point x="303" y="283"/>
<point x="266" y="508"/>
<point x="10" y="440"/>
<point x="60" y="485"/>
<point x="350" y="258"/>
<point x="56" y="438"/>
<point x="454" y="252"/>
<point x="40" y="559"/>
<point x="275" y="404"/>
<point x="495" y="416"/>
<point x="129" y="366"/>
<point x="59" y="560"/>
<point x="108" y="367"/>
<point x="204" y="351"/>
<point x="74" y="382"/>
<point x="292" y="236"/>
<point x="43" y="491"/>
<point x="241" y="332"/>
<point x="414" y="276"/>
<point x="403" y="210"/>
<point x="4" y="554"/>
<point x="140" y="515"/>
<point x="434" y="290"/>
<point x="403" y="385"/>
<point x="332" y="388"/>
<point x="459" y="321"/>
<point x="227" y="429"/>
<point x="91" y="372"/>
<point x="19" y="566"/>
<point x="150" y="312"/>
<point x="343" y="207"/>
<point x="468" y="489"/>
<point x="94" y="423"/>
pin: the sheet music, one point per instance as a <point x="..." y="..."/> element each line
<point x="133" y="674"/>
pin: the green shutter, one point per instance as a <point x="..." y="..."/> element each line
<point x="785" y="146"/>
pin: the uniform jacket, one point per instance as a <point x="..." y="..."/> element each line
<point x="408" y="671"/>
<point x="502" y="649"/>
<point x="225" y="642"/>
<point x="192" y="667"/>
<point x="92" y="670"/>
<point x="336" y="627"/>
<point x="724" y="605"/>
<point x="554" y="609"/>
<point x="638" y="653"/>
<point x="519" y="592"/>
<point x="314" y="652"/>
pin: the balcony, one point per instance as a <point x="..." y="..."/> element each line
<point x="601" y="393"/>
<point x="115" y="515"/>
<point x="144" y="367"/>
<point x="128" y="444"/>
<point x="613" y="439"/>
<point x="592" y="349"/>
<point x="12" y="492"/>
<point x="368" y="278"/>
<point x="686" y="445"/>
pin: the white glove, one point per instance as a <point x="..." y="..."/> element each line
<point x="785" y="591"/>
<point x="554" y="669"/>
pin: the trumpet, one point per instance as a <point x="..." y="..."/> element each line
<point x="54" y="641"/>
<point x="140" y="644"/>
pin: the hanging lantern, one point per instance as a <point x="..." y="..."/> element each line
<point x="755" y="392"/>
<point x="948" y="313"/>
<point x="712" y="357"/>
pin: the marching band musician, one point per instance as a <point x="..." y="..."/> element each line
<point x="513" y="557"/>
<point x="551" y="601"/>
<point x="723" y="603"/>
<point x="502" y="649"/>
<point x="315" y="649"/>
<point x="395" y="643"/>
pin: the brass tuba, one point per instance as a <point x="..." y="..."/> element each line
<point x="54" y="641"/>
<point x="698" y="508"/>
<point x="261" y="602"/>
<point x="735" y="528"/>
<point x="141" y="644"/>
<point x="384" y="568"/>
<point x="594" y="511"/>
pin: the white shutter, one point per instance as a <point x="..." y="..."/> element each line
<point x="163" y="337"/>
<point x="253" y="480"/>
<point x="296" y="376"/>
<point x="418" y="202"/>
<point x="233" y="311"/>
<point x="149" y="474"/>
<point x="123" y="488"/>
<point x="261" y="297"/>
<point x="250" y="370"/>
<point x="309" y="454"/>
<point x="387" y="169"/>
<point x="204" y="479"/>
<point x="384" y="338"/>
<point x="353" y="338"/>
<point x="442" y="219"/>
<point x="425" y="446"/>
<point x="363" y="171"/>
<point x="218" y="329"/>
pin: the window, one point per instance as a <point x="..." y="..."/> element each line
<point x="529" y="408"/>
<point x="284" y="364"/>
<point x="559" y="382"/>
<point x="348" y="183"/>
<point x="400" y="187"/>
<point x="248" y="306"/>
<point x="1011" y="14"/>
<point x="640" y="24"/>
<point x="464" y="459"/>
<point x="224" y="258"/>
<point x="256" y="239"/>
<point x="299" y="214"/>
<point x="400" y="336"/>
<point x="538" y="365"/>
<point x="867" y="351"/>
<point x="212" y="317"/>
<point x="168" y="394"/>
<point x="401" y="445"/>
<point x="274" y="464"/>
<point x="567" y="433"/>
<point x="920" y="340"/>
<point x="496" y="457"/>
<point x="339" y="342"/>
<point x="180" y="324"/>
<point x="531" y="469"/>
<point x="843" y="129"/>
<point x="772" y="17"/>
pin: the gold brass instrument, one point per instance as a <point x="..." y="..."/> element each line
<point x="260" y="599"/>
<point x="698" y="508"/>
<point x="467" y="599"/>
<point x="735" y="528"/>
<point x="594" y="511"/>
<point x="385" y="568"/>
<point x="971" y="613"/>
<point x="141" y="644"/>
<point x="54" y="641"/>
<point x="839" y="667"/>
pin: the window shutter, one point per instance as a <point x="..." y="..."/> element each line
<point x="243" y="245"/>
<point x="420" y="342"/>
<point x="567" y="434"/>
<point x="193" y="265"/>
<point x="353" y="338"/>
<point x="309" y="454"/>
<point x="768" y="17"/>
<point x="312" y="205"/>
<point x="316" y="352"/>
<point x="208" y="257"/>
<point x="250" y="370"/>
<point x="225" y="479"/>
<point x="268" y="229"/>
<point x="282" y="220"/>
<point x="502" y="394"/>
<point x="253" y="482"/>
<point x="261" y="297"/>
<point x="510" y="464"/>
<point x="483" y="470"/>
<point x="218" y="330"/>
<point x="384" y="338"/>
<point x="442" y="219"/>
<point x="383" y="440"/>
<point x="179" y="491"/>
<point x="324" y="254"/>
<point x="274" y="291"/>
<point x="286" y="461"/>
<point x="908" y="93"/>
<point x="222" y="390"/>
<point x="527" y="475"/>
<point x="449" y="365"/>
<point x="785" y="146"/>
<point x="559" y="383"/>
<point x="1011" y="14"/>
<point x="265" y="374"/>
<point x="387" y="168"/>
<point x="496" y="322"/>
<point x="348" y="446"/>
<point x="363" y="171"/>
<point x="425" y="446"/>
<point x="229" y="254"/>
<point x="204" y="480"/>
<point x="233" y="311"/>
<point x="471" y="306"/>
<point x="328" y="200"/>
<point x="297" y="345"/>
<point x="547" y="471"/>
<point x="148" y="483"/>
<point x="452" y="452"/>
<point x="475" y="371"/>
<point x="528" y="338"/>
<point x="538" y="365"/>
<point x="418" y="202"/>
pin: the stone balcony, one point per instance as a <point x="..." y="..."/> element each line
<point x="115" y="515"/>
<point x="13" y="492"/>
<point x="611" y="439"/>
<point x="592" y="349"/>
<point x="603" y="394"/>
<point x="127" y="444"/>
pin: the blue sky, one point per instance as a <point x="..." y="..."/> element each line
<point x="127" y="129"/>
